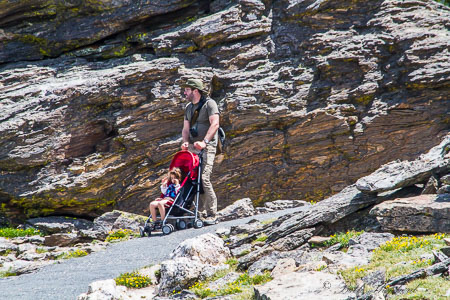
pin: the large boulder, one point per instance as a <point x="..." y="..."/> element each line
<point x="193" y="260"/>
<point x="208" y="248"/>
<point x="424" y="213"/>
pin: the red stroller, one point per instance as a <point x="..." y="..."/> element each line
<point x="179" y="215"/>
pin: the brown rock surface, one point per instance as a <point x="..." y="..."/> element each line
<point x="314" y="95"/>
<point x="424" y="213"/>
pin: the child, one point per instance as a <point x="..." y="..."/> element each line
<point x="169" y="189"/>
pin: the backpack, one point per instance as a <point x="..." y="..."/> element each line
<point x="221" y="133"/>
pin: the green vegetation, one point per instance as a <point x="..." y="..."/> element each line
<point x="445" y="2"/>
<point x="9" y="232"/>
<point x="120" y="235"/>
<point x="402" y="256"/>
<point x="133" y="280"/>
<point x="342" y="238"/>
<point x="241" y="286"/>
<point x="7" y="273"/>
<point x="72" y="254"/>
<point x="268" y="221"/>
<point x="261" y="238"/>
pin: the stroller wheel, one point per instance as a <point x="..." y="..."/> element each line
<point x="198" y="224"/>
<point x="181" y="224"/>
<point x="141" y="231"/>
<point x="166" y="229"/>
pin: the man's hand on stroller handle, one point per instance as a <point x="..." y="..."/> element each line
<point x="200" y="145"/>
<point x="185" y="146"/>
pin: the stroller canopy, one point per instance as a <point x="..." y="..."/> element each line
<point x="187" y="162"/>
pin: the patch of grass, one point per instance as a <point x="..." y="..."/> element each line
<point x="242" y="285"/>
<point x="41" y="250"/>
<point x="245" y="252"/>
<point x="133" y="280"/>
<point x="121" y="235"/>
<point x="436" y="288"/>
<point x="72" y="254"/>
<point x="232" y="262"/>
<point x="8" y="273"/>
<point x="242" y="235"/>
<point x="268" y="221"/>
<point x="397" y="257"/>
<point x="6" y="253"/>
<point x="9" y="232"/>
<point x="261" y="238"/>
<point x="342" y="238"/>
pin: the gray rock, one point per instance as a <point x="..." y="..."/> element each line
<point x="424" y="213"/>
<point x="52" y="225"/>
<point x="239" y="209"/>
<point x="220" y="283"/>
<point x="399" y="174"/>
<point x="283" y="266"/>
<point x="293" y="240"/>
<point x="445" y="180"/>
<point x="241" y="250"/>
<point x="446" y="250"/>
<point x="308" y="285"/>
<point x="266" y="263"/>
<point x="208" y="248"/>
<point x="445" y="189"/>
<point x="284" y="204"/>
<point x="371" y="240"/>
<point x="318" y="240"/>
<point x="116" y="219"/>
<point x="6" y="246"/>
<point x="263" y="210"/>
<point x="249" y="228"/>
<point x="61" y="239"/>
<point x="223" y="232"/>
<point x="104" y="289"/>
<point x="182" y="272"/>
<point x="375" y="279"/>
<point x="431" y="187"/>
<point x="36" y="239"/>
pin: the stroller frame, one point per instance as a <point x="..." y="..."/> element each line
<point x="181" y="222"/>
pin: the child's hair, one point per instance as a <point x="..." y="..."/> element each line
<point x="176" y="172"/>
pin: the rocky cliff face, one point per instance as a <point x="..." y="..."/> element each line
<point x="313" y="94"/>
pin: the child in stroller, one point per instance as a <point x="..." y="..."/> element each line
<point x="169" y="189"/>
<point x="176" y="213"/>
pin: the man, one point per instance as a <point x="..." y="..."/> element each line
<point x="202" y="135"/>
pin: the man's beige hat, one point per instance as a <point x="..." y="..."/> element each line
<point x="195" y="84"/>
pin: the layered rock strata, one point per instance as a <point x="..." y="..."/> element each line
<point x="313" y="94"/>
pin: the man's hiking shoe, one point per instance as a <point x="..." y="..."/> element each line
<point x="210" y="221"/>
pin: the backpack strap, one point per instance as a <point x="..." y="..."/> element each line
<point x="197" y="111"/>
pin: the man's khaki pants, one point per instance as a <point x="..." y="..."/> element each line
<point x="208" y="200"/>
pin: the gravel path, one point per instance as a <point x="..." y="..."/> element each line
<point x="69" y="278"/>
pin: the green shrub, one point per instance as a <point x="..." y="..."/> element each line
<point x="342" y="238"/>
<point x="133" y="280"/>
<point x="120" y="235"/>
<point x="9" y="232"/>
